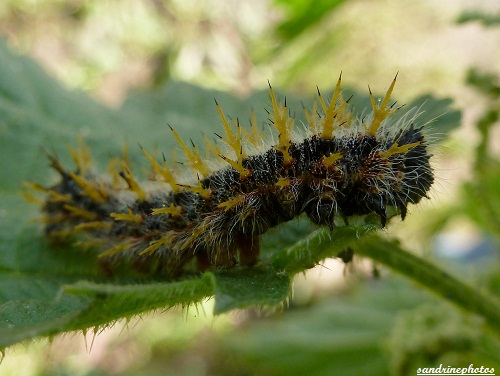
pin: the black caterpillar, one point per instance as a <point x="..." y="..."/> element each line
<point x="345" y="166"/>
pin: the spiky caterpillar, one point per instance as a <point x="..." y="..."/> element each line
<point x="345" y="166"/>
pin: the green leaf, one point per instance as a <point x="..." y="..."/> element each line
<point x="314" y="248"/>
<point x="28" y="318"/>
<point x="113" y="301"/>
<point x="242" y="288"/>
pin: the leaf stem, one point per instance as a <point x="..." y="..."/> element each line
<point x="469" y="298"/>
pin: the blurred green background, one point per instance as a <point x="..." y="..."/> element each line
<point x="340" y="320"/>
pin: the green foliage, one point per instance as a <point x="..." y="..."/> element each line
<point x="484" y="18"/>
<point x="480" y="196"/>
<point x="46" y="290"/>
<point x="385" y="328"/>
<point x="302" y="14"/>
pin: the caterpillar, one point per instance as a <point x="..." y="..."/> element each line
<point x="213" y="212"/>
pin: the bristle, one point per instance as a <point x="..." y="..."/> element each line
<point x="129" y="217"/>
<point x="282" y="183"/>
<point x="234" y="141"/>
<point x="95" y="193"/>
<point x="232" y="203"/>
<point x="203" y="192"/>
<point x="54" y="196"/>
<point x="397" y="149"/>
<point x="381" y="112"/>
<point x="331" y="159"/>
<point x="332" y="111"/>
<point x="86" y="245"/>
<point x="34" y="186"/>
<point x="211" y="148"/>
<point x="79" y="212"/>
<point x="238" y="166"/>
<point x="173" y="210"/>
<point x="100" y="225"/>
<point x="156" y="244"/>
<point x="284" y="126"/>
<point x="32" y="199"/>
<point x="118" y="248"/>
<point x="132" y="183"/>
<point x="194" y="159"/>
<point x="194" y="236"/>
<point x="163" y="171"/>
<point x="81" y="156"/>
<point x="254" y="136"/>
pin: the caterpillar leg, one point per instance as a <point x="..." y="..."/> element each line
<point x="249" y="250"/>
